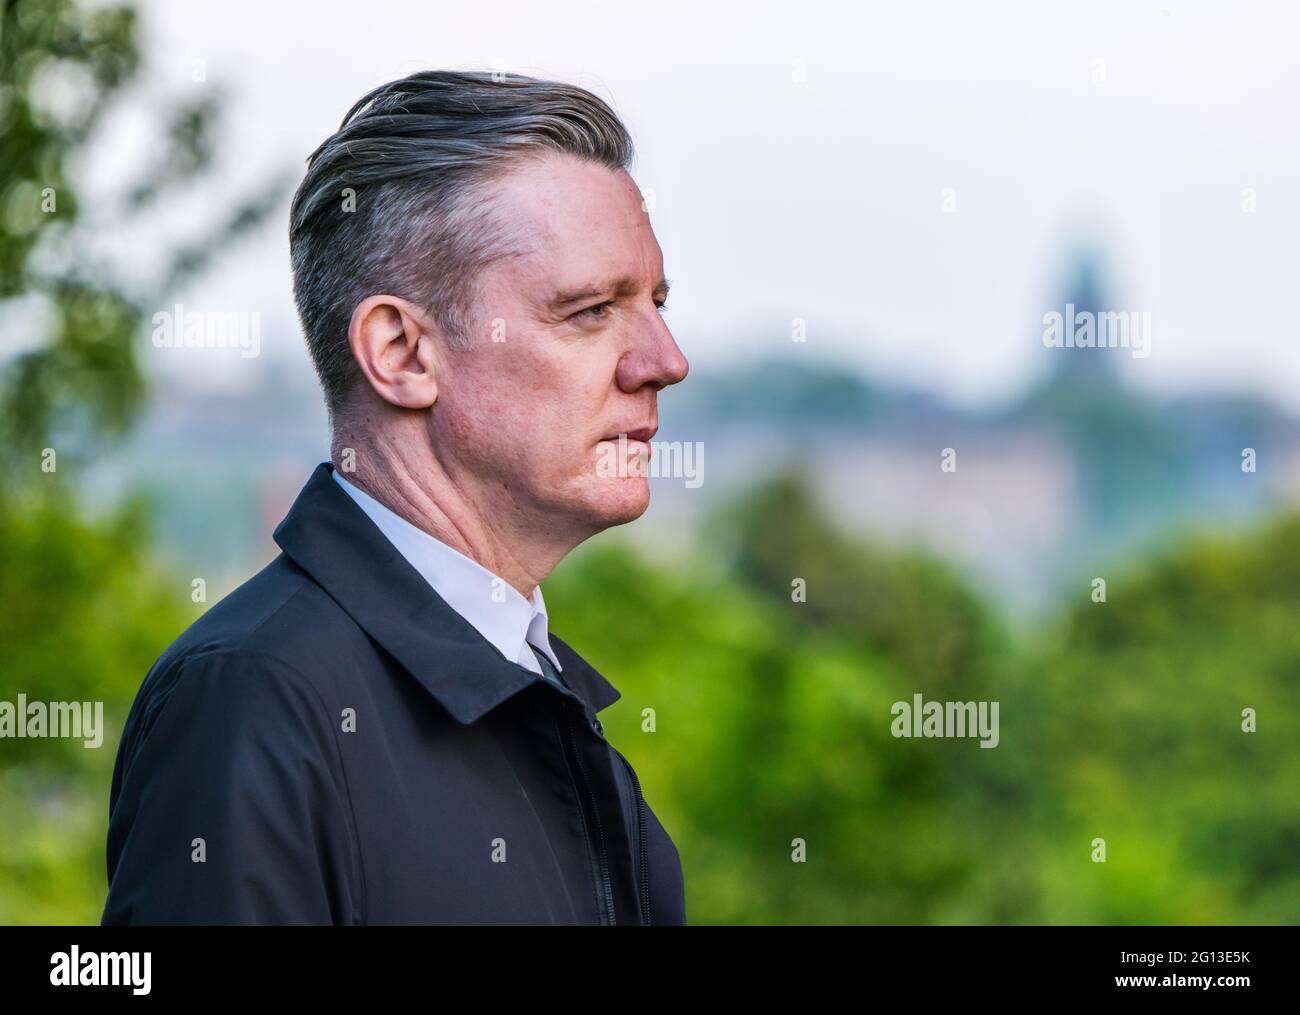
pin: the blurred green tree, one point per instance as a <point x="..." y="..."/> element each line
<point x="84" y="613"/>
<point x="772" y="718"/>
<point x="77" y="383"/>
<point x="757" y="721"/>
<point x="1142" y="699"/>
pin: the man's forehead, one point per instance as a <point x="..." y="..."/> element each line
<point x="554" y="190"/>
<point x="581" y="229"/>
<point x="554" y="272"/>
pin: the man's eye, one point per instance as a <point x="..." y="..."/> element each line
<point x="598" y="310"/>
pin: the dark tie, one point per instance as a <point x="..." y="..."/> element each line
<point x="548" y="668"/>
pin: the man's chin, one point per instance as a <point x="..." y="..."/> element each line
<point x="622" y="501"/>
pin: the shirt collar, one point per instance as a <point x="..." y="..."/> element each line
<point x="494" y="607"/>
<point x="328" y="537"/>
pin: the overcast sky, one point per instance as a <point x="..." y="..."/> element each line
<point x="799" y="153"/>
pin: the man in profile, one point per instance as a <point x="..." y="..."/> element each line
<point x="378" y="728"/>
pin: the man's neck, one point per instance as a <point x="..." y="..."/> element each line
<point x="423" y="494"/>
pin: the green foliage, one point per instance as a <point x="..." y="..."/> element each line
<point x="1121" y="720"/>
<point x="1142" y="699"/>
<point x="907" y="607"/>
<point x="77" y="383"/>
<point x="772" y="717"/>
<point x="83" y="613"/>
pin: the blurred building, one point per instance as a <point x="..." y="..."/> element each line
<point x="1063" y="483"/>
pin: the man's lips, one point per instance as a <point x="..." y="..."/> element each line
<point x="643" y="434"/>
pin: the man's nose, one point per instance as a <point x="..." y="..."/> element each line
<point x="654" y="360"/>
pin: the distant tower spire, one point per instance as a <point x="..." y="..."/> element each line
<point x="1084" y="290"/>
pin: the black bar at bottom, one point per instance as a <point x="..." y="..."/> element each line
<point x="926" y="963"/>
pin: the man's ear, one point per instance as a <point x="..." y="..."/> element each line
<point x="392" y="342"/>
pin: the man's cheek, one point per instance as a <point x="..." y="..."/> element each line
<point x="494" y="422"/>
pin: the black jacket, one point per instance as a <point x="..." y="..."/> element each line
<point x="332" y="743"/>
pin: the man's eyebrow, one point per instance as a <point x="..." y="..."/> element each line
<point x="617" y="287"/>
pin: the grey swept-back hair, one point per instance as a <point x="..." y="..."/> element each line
<point x="398" y="200"/>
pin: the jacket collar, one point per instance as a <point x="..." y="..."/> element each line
<point x="327" y="535"/>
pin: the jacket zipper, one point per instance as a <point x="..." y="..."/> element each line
<point x="602" y="853"/>
<point x="642" y="851"/>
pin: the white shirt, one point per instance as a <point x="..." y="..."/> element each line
<point x="492" y="605"/>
